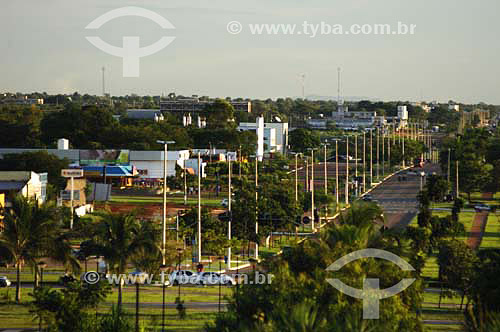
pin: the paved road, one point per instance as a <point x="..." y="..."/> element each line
<point x="399" y="198"/>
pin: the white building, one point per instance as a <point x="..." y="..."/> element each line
<point x="272" y="137"/>
<point x="149" y="164"/>
<point x="26" y="183"/>
<point x="193" y="164"/>
<point x="454" y="107"/>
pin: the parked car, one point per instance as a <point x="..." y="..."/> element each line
<point x="4" y="281"/>
<point x="67" y="278"/>
<point x="213" y="278"/>
<point x="482" y="207"/>
<point x="183" y="277"/>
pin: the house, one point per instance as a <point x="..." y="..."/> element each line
<point x="29" y="184"/>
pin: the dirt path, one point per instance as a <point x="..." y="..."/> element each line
<point x="478" y="225"/>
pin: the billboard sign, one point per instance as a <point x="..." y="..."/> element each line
<point x="72" y="173"/>
<point x="104" y="157"/>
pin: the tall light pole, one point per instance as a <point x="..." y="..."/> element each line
<point x="199" y="207"/>
<point x="296" y="154"/>
<point x="364" y="161"/>
<point x="256" y="207"/>
<point x="347" y="172"/>
<point x="164" y="219"/>
<point x="230" y="171"/>
<point x="378" y="153"/>
<point x="371" y="158"/>
<point x="312" y="189"/>
<point x="383" y="152"/>
<point x="325" y="169"/>
<point x="356" y="155"/>
<point x="185" y="181"/>
<point x="403" y="150"/>
<point x="336" y="175"/>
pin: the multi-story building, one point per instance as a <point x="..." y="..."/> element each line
<point x="272" y="137"/>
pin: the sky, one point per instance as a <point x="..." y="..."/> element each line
<point x="453" y="54"/>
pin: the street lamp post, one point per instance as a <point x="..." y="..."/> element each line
<point x="164" y="218"/>
<point x="364" y="161"/>
<point x="312" y="188"/>
<point x="42" y="266"/>
<point x="336" y="175"/>
<point x="163" y="269"/>
<point x="256" y="207"/>
<point x="347" y="172"/>
<point x="230" y="171"/>
<point x="199" y="207"/>
<point x="371" y="158"/>
<point x="378" y="153"/>
<point x="179" y="252"/>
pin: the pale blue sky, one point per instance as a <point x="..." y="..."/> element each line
<point x="453" y="55"/>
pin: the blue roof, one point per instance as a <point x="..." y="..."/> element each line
<point x="112" y="170"/>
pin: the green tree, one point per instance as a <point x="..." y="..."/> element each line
<point x="303" y="139"/>
<point x="118" y="238"/>
<point x="31" y="232"/>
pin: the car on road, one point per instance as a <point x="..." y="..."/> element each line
<point x="482" y="207"/>
<point x="183" y="277"/>
<point x="411" y="172"/>
<point x="67" y="278"/>
<point x="367" y="198"/>
<point x="4" y="281"/>
<point x="214" y="278"/>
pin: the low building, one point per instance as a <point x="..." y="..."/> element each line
<point x="29" y="184"/>
<point x="196" y="105"/>
<point x="145" y="114"/>
<point x="150" y="166"/>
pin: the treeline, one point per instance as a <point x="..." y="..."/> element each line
<point x="93" y="127"/>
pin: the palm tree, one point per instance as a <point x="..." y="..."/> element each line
<point x="31" y="232"/>
<point x="118" y="238"/>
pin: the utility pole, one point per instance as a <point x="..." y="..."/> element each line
<point x="296" y="178"/>
<point x="347" y="172"/>
<point x="356" y="155"/>
<point x="325" y="171"/>
<point x="383" y="152"/>
<point x="307" y="175"/>
<point x="164" y="219"/>
<point x="403" y="152"/>
<point x="336" y="174"/>
<point x="456" y="180"/>
<point x="378" y="154"/>
<point x="199" y="207"/>
<point x="371" y="158"/>
<point x="185" y="181"/>
<point x="312" y="189"/>
<point x="230" y="171"/>
<point x="256" y="207"/>
<point x="364" y="161"/>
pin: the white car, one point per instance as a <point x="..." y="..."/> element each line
<point x="214" y="278"/>
<point x="183" y="277"/>
<point x="482" y="207"/>
<point x="4" y="281"/>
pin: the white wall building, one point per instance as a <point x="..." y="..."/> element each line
<point x="271" y="136"/>
<point x="149" y="164"/>
<point x="29" y="184"/>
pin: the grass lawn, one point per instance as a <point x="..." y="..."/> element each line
<point x="491" y="238"/>
<point x="212" y="201"/>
